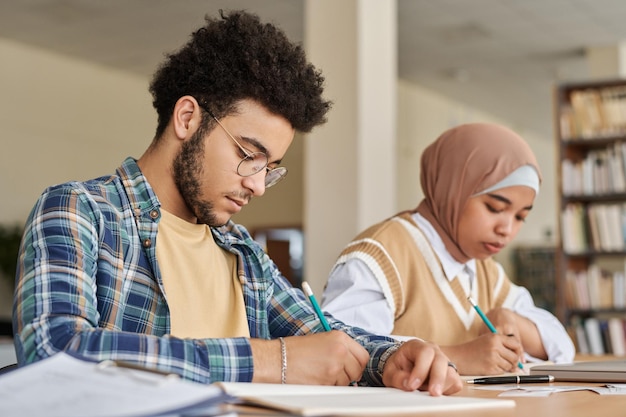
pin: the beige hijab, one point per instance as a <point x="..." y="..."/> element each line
<point x="462" y="162"/>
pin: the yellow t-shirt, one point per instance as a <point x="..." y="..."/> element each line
<point x="202" y="289"/>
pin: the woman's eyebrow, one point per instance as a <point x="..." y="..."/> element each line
<point x="506" y="200"/>
<point x="500" y="198"/>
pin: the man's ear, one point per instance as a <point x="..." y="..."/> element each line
<point x="187" y="117"/>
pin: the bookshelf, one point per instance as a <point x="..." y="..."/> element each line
<point x="590" y="126"/>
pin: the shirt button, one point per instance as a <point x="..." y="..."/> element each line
<point x="154" y="214"/>
<point x="147" y="243"/>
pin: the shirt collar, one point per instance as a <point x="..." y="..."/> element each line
<point x="451" y="267"/>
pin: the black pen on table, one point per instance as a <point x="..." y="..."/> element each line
<point x="309" y="293"/>
<point x="488" y="323"/>
<point x="512" y="379"/>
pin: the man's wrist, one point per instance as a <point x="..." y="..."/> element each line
<point x="385" y="356"/>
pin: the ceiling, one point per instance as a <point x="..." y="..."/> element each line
<point x="501" y="56"/>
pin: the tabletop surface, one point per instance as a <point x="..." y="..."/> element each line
<point x="566" y="404"/>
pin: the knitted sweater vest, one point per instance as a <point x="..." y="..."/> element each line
<point x="424" y="302"/>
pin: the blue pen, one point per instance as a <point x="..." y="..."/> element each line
<point x="307" y="290"/>
<point x="488" y="323"/>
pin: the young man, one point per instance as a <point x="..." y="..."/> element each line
<point x="146" y="266"/>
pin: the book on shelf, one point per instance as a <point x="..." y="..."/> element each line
<point x="619" y="290"/>
<point x="597" y="226"/>
<point x="601" y="214"/>
<point x="613" y="214"/>
<point x="574" y="237"/>
<point x="569" y="289"/>
<point x="600" y="172"/>
<point x="594" y="336"/>
<point x="594" y="288"/>
<point x="614" y="104"/>
<point x="594" y="112"/>
<point x="588" y="112"/>
<point x="600" y="335"/>
<point x="594" y="228"/>
<point x="580" y="339"/>
<point x="617" y="178"/>
<point x="616" y="336"/>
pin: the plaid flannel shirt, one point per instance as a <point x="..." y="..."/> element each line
<point x="88" y="282"/>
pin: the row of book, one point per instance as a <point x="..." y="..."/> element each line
<point x="595" y="288"/>
<point x="602" y="171"/>
<point x="600" y="336"/>
<point x="599" y="227"/>
<point x="594" y="112"/>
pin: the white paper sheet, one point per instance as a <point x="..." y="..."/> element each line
<point x="315" y="400"/>
<point x="512" y="390"/>
<point x="65" y="386"/>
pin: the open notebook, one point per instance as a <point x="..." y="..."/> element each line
<point x="315" y="400"/>
<point x="595" y="371"/>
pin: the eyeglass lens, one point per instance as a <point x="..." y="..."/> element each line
<point x="253" y="162"/>
<point x="256" y="162"/>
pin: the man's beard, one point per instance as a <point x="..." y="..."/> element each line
<point x="187" y="170"/>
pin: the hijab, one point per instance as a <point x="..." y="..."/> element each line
<point x="466" y="161"/>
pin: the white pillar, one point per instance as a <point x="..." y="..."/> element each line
<point x="349" y="171"/>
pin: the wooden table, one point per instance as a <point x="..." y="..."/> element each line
<point x="561" y="404"/>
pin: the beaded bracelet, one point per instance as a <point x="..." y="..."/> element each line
<point x="283" y="357"/>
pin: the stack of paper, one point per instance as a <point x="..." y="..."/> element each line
<point x="66" y="386"/>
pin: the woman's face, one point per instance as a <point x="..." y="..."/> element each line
<point x="490" y="221"/>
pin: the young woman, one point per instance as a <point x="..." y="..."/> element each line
<point x="411" y="275"/>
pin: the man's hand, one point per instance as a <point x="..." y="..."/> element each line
<point x="488" y="354"/>
<point x="421" y="365"/>
<point x="330" y="358"/>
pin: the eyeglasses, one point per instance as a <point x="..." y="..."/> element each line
<point x="253" y="162"/>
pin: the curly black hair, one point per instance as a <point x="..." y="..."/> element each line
<point x="237" y="58"/>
